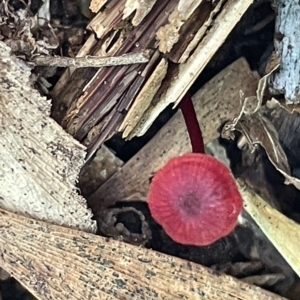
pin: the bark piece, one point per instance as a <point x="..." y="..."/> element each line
<point x="105" y="20"/>
<point x="110" y="84"/>
<point x="169" y="34"/>
<point x="53" y="262"/>
<point x="215" y="103"/>
<point x="39" y="161"/>
<point x="287" y="43"/>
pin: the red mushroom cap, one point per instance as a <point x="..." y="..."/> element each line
<point x="195" y="199"/>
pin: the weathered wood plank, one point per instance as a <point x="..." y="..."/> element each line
<point x="54" y="262"/>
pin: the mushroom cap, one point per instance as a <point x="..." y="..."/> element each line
<point x="195" y="199"/>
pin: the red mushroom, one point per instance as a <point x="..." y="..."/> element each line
<point x="194" y="196"/>
<point x="195" y="199"/>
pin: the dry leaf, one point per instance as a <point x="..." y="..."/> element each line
<point x="274" y="60"/>
<point x="257" y="129"/>
<point x="260" y="92"/>
<point x="265" y="279"/>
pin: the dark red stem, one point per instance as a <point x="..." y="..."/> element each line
<point x="187" y="107"/>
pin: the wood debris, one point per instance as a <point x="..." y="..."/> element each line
<point x="40" y="162"/>
<point x="180" y="49"/>
<point x="93" y="175"/>
<point x="54" y="262"/>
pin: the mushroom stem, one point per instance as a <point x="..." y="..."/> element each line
<point x="189" y="114"/>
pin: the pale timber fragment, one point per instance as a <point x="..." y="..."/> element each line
<point x="39" y="161"/>
<point x="140" y="8"/>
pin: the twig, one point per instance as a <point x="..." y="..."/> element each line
<point x="91" y="61"/>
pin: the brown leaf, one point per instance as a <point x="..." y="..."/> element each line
<point x="261" y="131"/>
<point x="260" y="92"/>
<point x="257" y="129"/>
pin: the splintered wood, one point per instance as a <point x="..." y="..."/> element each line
<point x="53" y="262"/>
<point x="182" y="36"/>
<point x="39" y="161"/>
<point x="215" y="103"/>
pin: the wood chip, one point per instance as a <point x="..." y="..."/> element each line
<point x="96" y="5"/>
<point x="186" y="36"/>
<point x="143" y="100"/>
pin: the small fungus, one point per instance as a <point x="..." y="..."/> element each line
<point x="194" y="196"/>
<point x="195" y="199"/>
